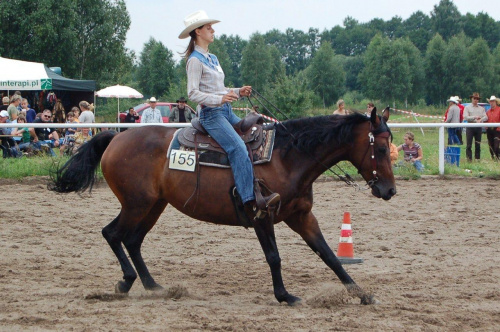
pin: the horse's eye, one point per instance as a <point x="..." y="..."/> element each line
<point x="382" y="150"/>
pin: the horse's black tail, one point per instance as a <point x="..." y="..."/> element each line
<point x="79" y="173"/>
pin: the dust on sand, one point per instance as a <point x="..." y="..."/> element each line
<point x="431" y="257"/>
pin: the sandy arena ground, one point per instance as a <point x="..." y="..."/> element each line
<point x="431" y="257"/>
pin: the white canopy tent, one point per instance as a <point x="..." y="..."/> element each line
<point x="119" y="91"/>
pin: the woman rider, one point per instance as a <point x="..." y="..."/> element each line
<point x="205" y="85"/>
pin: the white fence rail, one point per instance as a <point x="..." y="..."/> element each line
<point x="441" y="127"/>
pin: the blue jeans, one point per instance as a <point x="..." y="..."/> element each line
<point x="418" y="165"/>
<point x="49" y="143"/>
<point x="453" y="137"/>
<point x="218" y="122"/>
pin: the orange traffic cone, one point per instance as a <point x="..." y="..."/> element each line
<point x="345" y="252"/>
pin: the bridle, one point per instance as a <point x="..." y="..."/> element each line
<point x="371" y="146"/>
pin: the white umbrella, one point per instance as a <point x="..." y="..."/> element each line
<point x="119" y="91"/>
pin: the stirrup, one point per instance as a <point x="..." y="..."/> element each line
<point x="272" y="203"/>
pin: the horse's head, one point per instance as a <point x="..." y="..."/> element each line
<point x="371" y="155"/>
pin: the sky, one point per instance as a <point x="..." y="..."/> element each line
<point x="164" y="19"/>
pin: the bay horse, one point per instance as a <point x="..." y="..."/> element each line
<point x="136" y="168"/>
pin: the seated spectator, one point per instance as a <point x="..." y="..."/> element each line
<point x="29" y="112"/>
<point x="5" y="104"/>
<point x="8" y="145"/>
<point x="131" y="117"/>
<point x="76" y="112"/>
<point x="70" y="133"/>
<point x="412" y="151"/>
<point x="59" y="115"/>
<point x="394" y="153"/>
<point x="82" y="137"/>
<point x="25" y="144"/>
<point x="181" y="113"/>
<point x="45" y="136"/>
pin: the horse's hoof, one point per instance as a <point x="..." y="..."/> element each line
<point x="291" y="300"/>
<point x="369" y="299"/>
<point x="154" y="288"/>
<point x="121" y="287"/>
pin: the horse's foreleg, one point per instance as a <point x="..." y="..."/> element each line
<point x="265" y="233"/>
<point x="306" y="225"/>
<point x="133" y="241"/>
<point x="114" y="236"/>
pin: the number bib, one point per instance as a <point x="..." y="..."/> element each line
<point x="182" y="160"/>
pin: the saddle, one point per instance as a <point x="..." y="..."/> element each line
<point x="250" y="130"/>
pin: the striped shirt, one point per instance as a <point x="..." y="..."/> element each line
<point x="205" y="85"/>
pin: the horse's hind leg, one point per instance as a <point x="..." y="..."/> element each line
<point x="133" y="241"/>
<point x="306" y="225"/>
<point x="265" y="233"/>
<point x="114" y="235"/>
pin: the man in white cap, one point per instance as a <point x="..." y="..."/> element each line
<point x="453" y="116"/>
<point x="493" y="133"/>
<point x="151" y="114"/>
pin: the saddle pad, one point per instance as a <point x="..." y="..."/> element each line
<point x="261" y="155"/>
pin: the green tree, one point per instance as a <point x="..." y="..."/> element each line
<point x="446" y="19"/>
<point x="434" y="70"/>
<point x="234" y="47"/>
<point x="416" y="88"/>
<point x="386" y="75"/>
<point x="256" y="64"/>
<point x="479" y="67"/>
<point x="482" y="25"/>
<point x="85" y="38"/>
<point x="292" y="97"/>
<point x="156" y="69"/>
<point x="496" y="68"/>
<point x="454" y="64"/>
<point x="418" y="28"/>
<point x="326" y="75"/>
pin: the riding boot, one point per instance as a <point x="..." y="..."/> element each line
<point x="259" y="208"/>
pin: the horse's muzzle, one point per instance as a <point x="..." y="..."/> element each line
<point x="385" y="195"/>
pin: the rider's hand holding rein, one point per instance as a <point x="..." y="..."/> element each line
<point x="245" y="91"/>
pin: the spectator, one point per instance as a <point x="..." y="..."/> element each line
<point x="341" y="108"/>
<point x="87" y="116"/>
<point x="82" y="137"/>
<point x="70" y="133"/>
<point x="412" y="151"/>
<point x="474" y="114"/>
<point x="151" y="114"/>
<point x="24" y="132"/>
<point x="59" y="115"/>
<point x="369" y="109"/>
<point x="5" y="104"/>
<point x="29" y="112"/>
<point x="131" y="117"/>
<point x="181" y="113"/>
<point x="493" y="133"/>
<point x="76" y="112"/>
<point x="8" y="145"/>
<point x="393" y="153"/>
<point x="45" y="136"/>
<point x="452" y="116"/>
<point x="459" y="130"/>
<point x="15" y="101"/>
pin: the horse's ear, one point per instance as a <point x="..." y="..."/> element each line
<point x="385" y="114"/>
<point x="374" y="118"/>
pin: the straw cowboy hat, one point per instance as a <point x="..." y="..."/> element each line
<point x="152" y="100"/>
<point x="195" y="20"/>
<point x="453" y="99"/>
<point x="492" y="98"/>
<point x="475" y="95"/>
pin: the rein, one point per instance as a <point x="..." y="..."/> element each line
<point x="343" y="177"/>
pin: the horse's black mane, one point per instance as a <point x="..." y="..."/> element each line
<point x="309" y="133"/>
